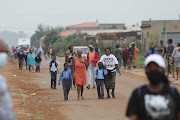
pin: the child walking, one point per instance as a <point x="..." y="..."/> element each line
<point x="53" y="70"/>
<point x="100" y="77"/>
<point x="66" y="78"/>
<point x="38" y="62"/>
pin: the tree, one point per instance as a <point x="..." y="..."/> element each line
<point x="51" y="37"/>
<point x="40" y="31"/>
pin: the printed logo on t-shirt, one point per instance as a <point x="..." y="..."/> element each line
<point x="109" y="62"/>
<point x="158" y="106"/>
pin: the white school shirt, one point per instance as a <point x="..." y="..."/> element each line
<point x="109" y="61"/>
<point x="53" y="67"/>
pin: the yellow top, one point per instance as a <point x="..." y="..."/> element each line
<point x="50" y="51"/>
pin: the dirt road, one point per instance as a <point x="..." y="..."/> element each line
<point x="34" y="100"/>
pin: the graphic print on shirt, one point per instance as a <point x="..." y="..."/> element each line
<point x="108" y="62"/>
<point x="158" y="106"/>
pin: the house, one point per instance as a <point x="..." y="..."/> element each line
<point x="67" y="33"/>
<point x="155" y="30"/>
<point x="84" y="26"/>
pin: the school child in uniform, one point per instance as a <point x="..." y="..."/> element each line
<point x="38" y="62"/>
<point x="53" y="70"/>
<point x="66" y="78"/>
<point x="100" y="74"/>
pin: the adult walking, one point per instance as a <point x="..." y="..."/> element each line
<point x="131" y="54"/>
<point x="156" y="100"/>
<point x="176" y="55"/>
<point x="117" y="53"/>
<point x="69" y="57"/>
<point x="168" y="51"/>
<point x="20" y="56"/>
<point x="160" y="48"/>
<point x="111" y="63"/>
<point x="79" y="69"/>
<point x="125" y="55"/>
<point x="6" y="111"/>
<point x="92" y="58"/>
<point x="134" y="58"/>
<point x="31" y="61"/>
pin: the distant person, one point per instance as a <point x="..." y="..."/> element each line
<point x="53" y="70"/>
<point x="92" y="59"/>
<point x="151" y="51"/>
<point x="20" y="56"/>
<point x="6" y="104"/>
<point x="111" y="63"/>
<point x="97" y="49"/>
<point x="125" y="56"/>
<point x="53" y="52"/>
<point x="168" y="51"/>
<point x="156" y="100"/>
<point x="100" y="75"/>
<point x="66" y="78"/>
<point x="161" y="48"/>
<point x="79" y="73"/>
<point x="38" y="62"/>
<point x="69" y="57"/>
<point x="131" y="54"/>
<point x="117" y="53"/>
<point x="31" y="61"/>
<point x="50" y="51"/>
<point x="25" y="58"/>
<point x="40" y="50"/>
<point x="134" y="58"/>
<point x="176" y="56"/>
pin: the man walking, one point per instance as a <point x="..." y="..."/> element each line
<point x="92" y="58"/>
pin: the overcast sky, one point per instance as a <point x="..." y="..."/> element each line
<point x="25" y="15"/>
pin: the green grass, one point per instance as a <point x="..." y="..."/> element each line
<point x="140" y="60"/>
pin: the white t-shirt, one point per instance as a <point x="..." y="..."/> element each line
<point x="109" y="61"/>
<point x="53" y="67"/>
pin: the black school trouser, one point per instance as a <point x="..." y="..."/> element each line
<point x="53" y="79"/>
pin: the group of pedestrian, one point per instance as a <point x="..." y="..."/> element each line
<point x="171" y="53"/>
<point x="74" y="71"/>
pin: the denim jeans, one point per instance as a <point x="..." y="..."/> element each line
<point x="93" y="69"/>
<point x="131" y="59"/>
<point x="119" y="61"/>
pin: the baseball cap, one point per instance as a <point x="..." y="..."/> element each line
<point x="157" y="59"/>
<point x="132" y="43"/>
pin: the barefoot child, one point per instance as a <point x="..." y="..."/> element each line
<point x="66" y="78"/>
<point x="100" y="77"/>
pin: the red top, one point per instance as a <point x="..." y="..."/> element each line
<point x="95" y="60"/>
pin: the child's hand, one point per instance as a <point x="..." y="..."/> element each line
<point x="59" y="83"/>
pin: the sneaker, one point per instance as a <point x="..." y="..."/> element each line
<point x="54" y="87"/>
<point x="88" y="86"/>
<point x="108" y="97"/>
<point x="51" y="87"/>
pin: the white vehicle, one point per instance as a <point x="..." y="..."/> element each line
<point x="84" y="49"/>
<point x="24" y="42"/>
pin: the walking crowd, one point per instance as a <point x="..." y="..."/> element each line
<point x="155" y="101"/>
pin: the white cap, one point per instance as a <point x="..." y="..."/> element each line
<point x="159" y="60"/>
<point x="91" y="46"/>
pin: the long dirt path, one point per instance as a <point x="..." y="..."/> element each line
<point x="34" y="100"/>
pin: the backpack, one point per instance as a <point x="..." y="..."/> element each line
<point x="103" y="73"/>
<point x="52" y="62"/>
